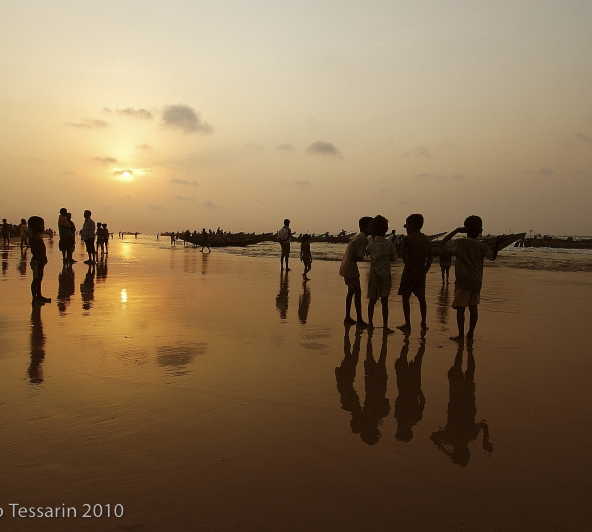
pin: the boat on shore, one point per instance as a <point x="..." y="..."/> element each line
<point x="554" y="242"/>
<point x="219" y="240"/>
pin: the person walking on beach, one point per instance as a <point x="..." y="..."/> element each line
<point x="354" y="252"/>
<point x="416" y="250"/>
<point x="445" y="262"/>
<point x="39" y="258"/>
<point x="469" y="253"/>
<point x="305" y="255"/>
<point x="88" y="236"/>
<point x="5" y="232"/>
<point x="284" y="235"/>
<point x="64" y="232"/>
<point x="23" y="233"/>
<point x="382" y="252"/>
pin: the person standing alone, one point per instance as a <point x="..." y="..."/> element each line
<point x="283" y="236"/>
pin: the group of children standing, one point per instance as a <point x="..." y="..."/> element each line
<point x="416" y="251"/>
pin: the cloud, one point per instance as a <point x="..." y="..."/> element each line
<point x="321" y="147"/>
<point x="584" y="138"/>
<point x="130" y="112"/>
<point x="184" y="118"/>
<point x="88" y="124"/>
<point x="209" y="204"/>
<point x="105" y="160"/>
<point x="183" y="198"/>
<point x="144" y="147"/>
<point x="441" y="177"/>
<point x="177" y="181"/>
<point x="546" y="171"/>
<point x="154" y="207"/>
<point x="302" y="182"/>
<point x="285" y="147"/>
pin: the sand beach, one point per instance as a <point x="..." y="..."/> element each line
<point x="200" y="392"/>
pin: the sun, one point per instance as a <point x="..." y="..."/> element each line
<point x="126" y="176"/>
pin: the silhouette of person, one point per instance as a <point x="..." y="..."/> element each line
<point x="87" y="288"/>
<point x="65" y="287"/>
<point x="461" y="429"/>
<point x="443" y="304"/>
<point x="410" y="402"/>
<point x="376" y="404"/>
<point x="281" y="300"/>
<point x="345" y="375"/>
<point x="304" y="303"/>
<point x="35" y="369"/>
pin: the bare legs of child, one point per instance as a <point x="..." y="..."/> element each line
<point x="385" y="314"/>
<point x="406" y="327"/>
<point x="460" y="320"/>
<point x="354" y="292"/>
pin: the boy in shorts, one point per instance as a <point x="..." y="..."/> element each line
<point x="306" y="255"/>
<point x="39" y="258"/>
<point x="354" y="252"/>
<point x="416" y="250"/>
<point x="382" y="252"/>
<point x="469" y="253"/>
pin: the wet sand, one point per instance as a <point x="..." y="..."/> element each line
<point x="200" y="392"/>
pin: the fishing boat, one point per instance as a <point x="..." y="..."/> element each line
<point x="553" y="242"/>
<point x="218" y="240"/>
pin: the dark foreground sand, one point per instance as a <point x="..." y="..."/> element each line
<point x="171" y="384"/>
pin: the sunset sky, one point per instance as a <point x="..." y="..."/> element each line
<point x="174" y="115"/>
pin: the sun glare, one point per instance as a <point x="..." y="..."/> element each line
<point x="126" y="176"/>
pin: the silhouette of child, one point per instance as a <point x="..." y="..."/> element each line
<point x="354" y="252"/>
<point x="416" y="250"/>
<point x="382" y="252"/>
<point x="469" y="253"/>
<point x="305" y="255"/>
<point x="38" y="259"/>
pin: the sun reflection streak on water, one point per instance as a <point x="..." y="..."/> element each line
<point x="123" y="295"/>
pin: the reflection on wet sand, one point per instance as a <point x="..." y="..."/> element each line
<point x="177" y="358"/>
<point x="22" y="265"/>
<point x="35" y="370"/>
<point x="281" y="300"/>
<point x="376" y="405"/>
<point x="102" y="269"/>
<point x="410" y="402"/>
<point x="204" y="263"/>
<point x="461" y="429"/>
<point x="87" y="288"/>
<point x="4" y="261"/>
<point x="443" y="304"/>
<point x="65" y="287"/>
<point x="304" y="303"/>
<point x="345" y="374"/>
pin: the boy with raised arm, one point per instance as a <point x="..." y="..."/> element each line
<point x="416" y="251"/>
<point x="382" y="252"/>
<point x="354" y="252"/>
<point x="469" y="253"/>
